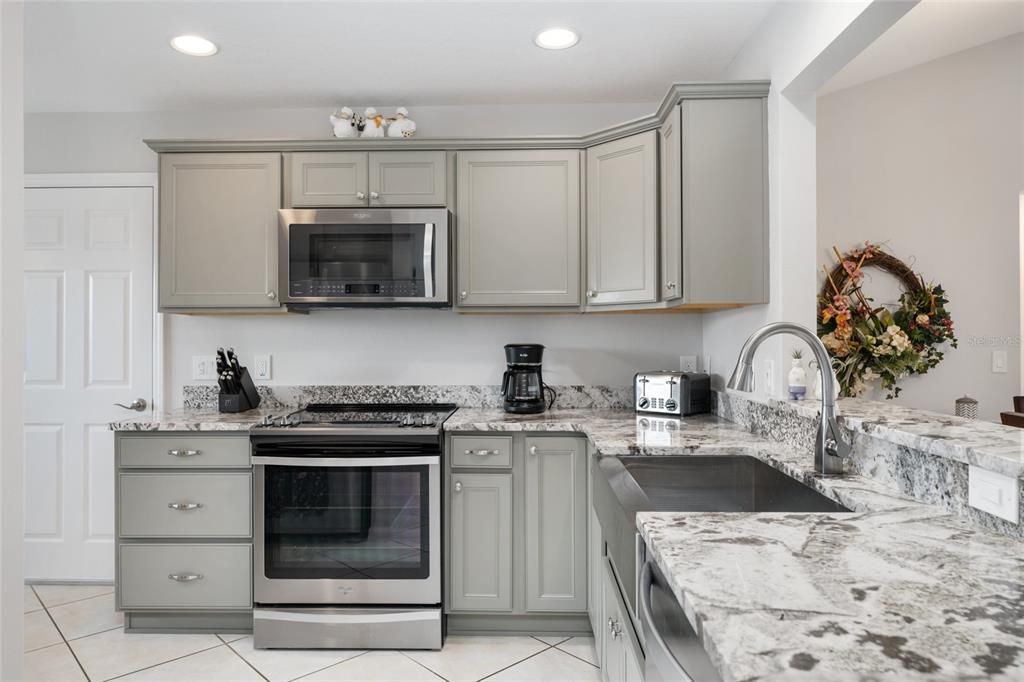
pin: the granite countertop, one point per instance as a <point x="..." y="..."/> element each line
<point x="199" y="420"/>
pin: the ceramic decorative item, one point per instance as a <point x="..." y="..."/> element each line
<point x="401" y="125"/>
<point x="374" y="123"/>
<point x="797" y="378"/>
<point x="343" y="123"/>
<point x="967" y="407"/>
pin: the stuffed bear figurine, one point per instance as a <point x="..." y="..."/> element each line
<point x="343" y="124"/>
<point x="402" y="125"/>
<point x="359" y="123"/>
<point x="374" y="124"/>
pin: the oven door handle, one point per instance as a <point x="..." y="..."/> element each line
<point x="342" y="462"/>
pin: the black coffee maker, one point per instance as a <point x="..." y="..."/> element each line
<point x="523" y="386"/>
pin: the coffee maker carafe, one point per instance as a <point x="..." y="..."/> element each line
<point x="522" y="386"/>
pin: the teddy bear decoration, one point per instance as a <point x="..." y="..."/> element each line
<point x="370" y="123"/>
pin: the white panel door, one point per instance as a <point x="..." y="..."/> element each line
<point x="89" y="345"/>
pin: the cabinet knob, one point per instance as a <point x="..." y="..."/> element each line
<point x="670" y="285"/>
<point x="533" y="449"/>
<point x="271" y="295"/>
<point x="360" y="195"/>
<point x="458" y="486"/>
<point x="374" y="195"/>
<point x="463" y="295"/>
<point x="591" y="293"/>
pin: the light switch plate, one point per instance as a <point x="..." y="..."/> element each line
<point x="262" y="366"/>
<point x="204" y="368"/>
<point x="687" y="363"/>
<point x="993" y="493"/>
<point x="999" y="361"/>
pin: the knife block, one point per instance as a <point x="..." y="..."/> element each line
<point x="246" y="399"/>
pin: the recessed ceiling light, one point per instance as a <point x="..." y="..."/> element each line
<point x="556" y="38"/>
<point x="194" y="46"/>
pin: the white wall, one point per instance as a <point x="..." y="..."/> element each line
<point x="930" y="161"/>
<point x="92" y="142"/>
<point x="12" y="215"/>
<point x="433" y="346"/>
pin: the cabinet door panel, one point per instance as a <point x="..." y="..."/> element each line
<point x="622" y="221"/>
<point x="407" y="179"/>
<point x="481" y="542"/>
<point x="671" y="280"/>
<point x="556" y="524"/>
<point x="613" y="652"/>
<point x="519" y="228"/>
<point x="329" y="179"/>
<point x="218" y="230"/>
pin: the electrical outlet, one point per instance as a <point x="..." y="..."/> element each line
<point x="262" y="366"/>
<point x="999" y="361"/>
<point x="204" y="368"/>
<point x="687" y="363"/>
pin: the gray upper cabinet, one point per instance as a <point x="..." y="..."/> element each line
<point x="556" y="524"/>
<point x="518" y="228"/>
<point x="408" y="179"/>
<point x="329" y="179"/>
<point x="338" y="179"/>
<point x="716" y="208"/>
<point x="481" y="542"/>
<point x="622" y="220"/>
<point x="212" y="205"/>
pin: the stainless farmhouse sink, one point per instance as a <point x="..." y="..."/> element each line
<point x="623" y="486"/>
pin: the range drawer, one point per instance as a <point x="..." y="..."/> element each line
<point x="482" y="451"/>
<point x="168" y="505"/>
<point x="177" y="576"/>
<point x="183" y="450"/>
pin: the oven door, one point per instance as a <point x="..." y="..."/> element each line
<point x="347" y="530"/>
<point x="385" y="256"/>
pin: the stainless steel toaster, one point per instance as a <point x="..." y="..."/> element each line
<point x="670" y="392"/>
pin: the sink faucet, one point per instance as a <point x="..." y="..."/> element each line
<point x="830" y="446"/>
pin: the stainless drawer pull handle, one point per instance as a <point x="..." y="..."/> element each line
<point x="184" y="453"/>
<point x="185" y="506"/>
<point x="481" y="453"/>
<point x="185" y="577"/>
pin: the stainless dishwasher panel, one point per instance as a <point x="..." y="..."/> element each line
<point x="673" y="650"/>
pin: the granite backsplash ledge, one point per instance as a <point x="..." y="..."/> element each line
<point x="204" y="396"/>
<point x="919" y="454"/>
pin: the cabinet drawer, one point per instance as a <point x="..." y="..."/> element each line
<point x="482" y="451"/>
<point x="209" y="505"/>
<point x="181" y="450"/>
<point x="176" y="576"/>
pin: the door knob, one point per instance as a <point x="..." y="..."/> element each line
<point x="139" y="404"/>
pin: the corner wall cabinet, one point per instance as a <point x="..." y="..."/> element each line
<point x="376" y="179"/>
<point x="622" y="221"/>
<point x="518" y="237"/>
<point x="218" y="230"/>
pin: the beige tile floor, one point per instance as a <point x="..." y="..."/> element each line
<point x="73" y="634"/>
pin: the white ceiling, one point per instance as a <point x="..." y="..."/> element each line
<point x="114" y="56"/>
<point x="931" y="29"/>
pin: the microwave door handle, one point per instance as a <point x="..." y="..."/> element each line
<point x="428" y="260"/>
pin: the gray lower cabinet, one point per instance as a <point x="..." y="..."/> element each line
<point x="622" y="221"/>
<point x="518" y="228"/>
<point x="595" y="571"/>
<point x="556" y="524"/>
<point x="213" y="204"/>
<point x="183" y="531"/>
<point x="340" y="179"/>
<point x="714" y="202"/>
<point x="620" y="651"/>
<point x="481" y="542"/>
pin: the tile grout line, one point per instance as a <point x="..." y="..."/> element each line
<point x="232" y="650"/>
<point x="65" y="603"/>
<point x="546" y="648"/>
<point x="64" y="639"/>
<point x="321" y="670"/>
<point x="567" y="653"/>
<point x="176" y="658"/>
<point x="424" y="666"/>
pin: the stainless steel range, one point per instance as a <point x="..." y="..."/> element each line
<point x="348" y="527"/>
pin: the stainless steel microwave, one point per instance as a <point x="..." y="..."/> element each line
<point x="338" y="257"/>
